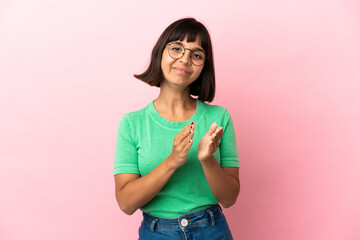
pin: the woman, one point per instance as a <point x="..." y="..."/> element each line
<point x="176" y="159"/>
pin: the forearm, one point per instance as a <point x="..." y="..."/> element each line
<point x="223" y="186"/>
<point x="140" y="191"/>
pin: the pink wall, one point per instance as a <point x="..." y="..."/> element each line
<point x="288" y="71"/>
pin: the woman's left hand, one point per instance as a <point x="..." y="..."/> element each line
<point x="210" y="142"/>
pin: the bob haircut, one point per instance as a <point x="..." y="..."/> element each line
<point x="204" y="85"/>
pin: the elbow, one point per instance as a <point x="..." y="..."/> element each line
<point x="127" y="211"/>
<point x="126" y="208"/>
<point x="226" y="206"/>
<point x="230" y="202"/>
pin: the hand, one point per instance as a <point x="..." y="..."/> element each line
<point x="182" y="144"/>
<point x="210" y="142"/>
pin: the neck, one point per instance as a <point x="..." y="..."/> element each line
<point x="174" y="99"/>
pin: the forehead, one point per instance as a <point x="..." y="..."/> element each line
<point x="194" y="44"/>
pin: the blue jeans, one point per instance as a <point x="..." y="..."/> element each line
<point x="209" y="224"/>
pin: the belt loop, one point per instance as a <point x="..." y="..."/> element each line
<point x="153" y="225"/>
<point x="219" y="207"/>
<point x="212" y="217"/>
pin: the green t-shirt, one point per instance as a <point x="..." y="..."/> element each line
<point x="145" y="139"/>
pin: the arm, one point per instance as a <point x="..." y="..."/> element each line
<point x="223" y="182"/>
<point x="133" y="191"/>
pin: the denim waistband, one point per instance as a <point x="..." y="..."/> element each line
<point x="185" y="221"/>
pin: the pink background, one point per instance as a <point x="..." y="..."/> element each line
<point x="288" y="72"/>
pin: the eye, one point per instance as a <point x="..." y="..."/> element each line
<point x="197" y="55"/>
<point x="176" y="49"/>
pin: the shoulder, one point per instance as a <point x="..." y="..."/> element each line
<point x="215" y="109"/>
<point x="130" y="122"/>
<point x="135" y="116"/>
<point x="132" y="119"/>
<point x="217" y="113"/>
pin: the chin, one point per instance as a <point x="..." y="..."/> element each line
<point x="183" y="82"/>
<point x="179" y="80"/>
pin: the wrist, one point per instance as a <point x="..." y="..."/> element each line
<point x="206" y="158"/>
<point x="208" y="162"/>
<point x="171" y="163"/>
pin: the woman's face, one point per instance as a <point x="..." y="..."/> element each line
<point x="181" y="71"/>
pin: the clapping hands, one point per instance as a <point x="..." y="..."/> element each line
<point x="206" y="148"/>
<point x="210" y="142"/>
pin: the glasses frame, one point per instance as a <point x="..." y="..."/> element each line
<point x="191" y="51"/>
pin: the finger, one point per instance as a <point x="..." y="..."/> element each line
<point x="213" y="136"/>
<point x="212" y="141"/>
<point x="192" y="128"/>
<point x="219" y="132"/>
<point x="188" y="145"/>
<point x="222" y="132"/>
<point x="184" y="133"/>
<point x="212" y="128"/>
<point x="185" y="145"/>
<point x="191" y="133"/>
<point x="217" y="143"/>
<point x="184" y="141"/>
<point x="189" y="137"/>
<point x="218" y="136"/>
<point x="219" y="129"/>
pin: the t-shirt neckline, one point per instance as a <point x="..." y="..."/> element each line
<point x="171" y="124"/>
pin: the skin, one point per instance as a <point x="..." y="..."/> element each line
<point x="176" y="104"/>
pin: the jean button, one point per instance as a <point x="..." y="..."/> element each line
<point x="184" y="222"/>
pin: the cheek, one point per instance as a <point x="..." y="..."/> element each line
<point x="166" y="62"/>
<point x="198" y="71"/>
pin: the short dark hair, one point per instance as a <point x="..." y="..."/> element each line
<point x="204" y="85"/>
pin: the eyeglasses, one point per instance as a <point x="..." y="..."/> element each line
<point x="176" y="51"/>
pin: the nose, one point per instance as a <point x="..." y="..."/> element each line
<point x="186" y="57"/>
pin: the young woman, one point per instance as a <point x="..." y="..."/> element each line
<point x="176" y="159"/>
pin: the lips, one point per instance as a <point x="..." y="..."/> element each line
<point x="181" y="70"/>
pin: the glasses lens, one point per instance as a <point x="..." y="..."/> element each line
<point x="176" y="50"/>
<point x="198" y="57"/>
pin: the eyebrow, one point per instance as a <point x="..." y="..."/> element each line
<point x="200" y="49"/>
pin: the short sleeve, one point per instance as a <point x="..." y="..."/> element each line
<point x="228" y="149"/>
<point x="126" y="156"/>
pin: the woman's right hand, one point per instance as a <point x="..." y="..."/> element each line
<point x="182" y="144"/>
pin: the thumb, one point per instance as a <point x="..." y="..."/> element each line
<point x="212" y="128"/>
